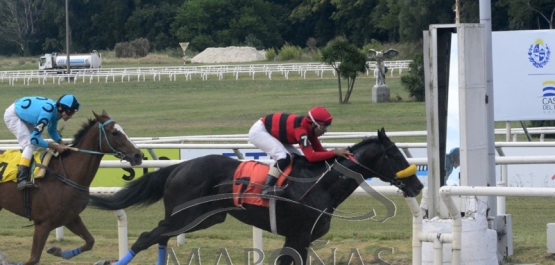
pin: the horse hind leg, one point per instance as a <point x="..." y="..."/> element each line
<point x="168" y="225"/>
<point x="294" y="251"/>
<point x="147" y="239"/>
<point x="77" y="227"/>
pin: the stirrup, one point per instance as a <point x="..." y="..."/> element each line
<point x="26" y="184"/>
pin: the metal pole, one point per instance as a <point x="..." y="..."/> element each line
<point x="485" y="18"/>
<point x="67" y="39"/>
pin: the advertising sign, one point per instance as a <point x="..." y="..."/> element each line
<point x="524" y="75"/>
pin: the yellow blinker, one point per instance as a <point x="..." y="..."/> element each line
<point x="407" y="172"/>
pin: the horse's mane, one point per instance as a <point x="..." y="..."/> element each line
<point x="78" y="137"/>
<point x="303" y="162"/>
<point x="364" y="142"/>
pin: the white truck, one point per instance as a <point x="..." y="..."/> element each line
<point x="55" y="61"/>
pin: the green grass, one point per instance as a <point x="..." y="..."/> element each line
<point x="171" y="108"/>
<point x="366" y="236"/>
<point x="164" y="108"/>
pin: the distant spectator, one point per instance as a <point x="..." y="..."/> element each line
<point x="452" y="160"/>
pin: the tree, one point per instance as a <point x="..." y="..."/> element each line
<point x="159" y="18"/>
<point x="385" y="17"/>
<point x="414" y="81"/>
<point x="416" y="16"/>
<point x="347" y="60"/>
<point x="217" y="23"/>
<point x="313" y="19"/>
<point x="18" y="22"/>
<point x="469" y="11"/>
<point x="106" y="26"/>
<point x="352" y="19"/>
<point x="526" y="14"/>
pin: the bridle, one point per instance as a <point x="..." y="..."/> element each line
<point x="101" y="133"/>
<point x="396" y="181"/>
<point x="384" y="157"/>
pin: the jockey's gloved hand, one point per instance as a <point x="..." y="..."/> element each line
<point x="344" y="152"/>
<point x="60" y="148"/>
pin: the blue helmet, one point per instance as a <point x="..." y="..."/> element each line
<point x="455" y="155"/>
<point x="68" y="102"/>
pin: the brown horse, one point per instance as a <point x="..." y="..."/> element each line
<point x="63" y="193"/>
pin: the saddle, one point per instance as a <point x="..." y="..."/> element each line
<point x="248" y="182"/>
<point x="10" y="159"/>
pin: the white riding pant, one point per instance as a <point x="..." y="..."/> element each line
<point x="269" y="144"/>
<point x="21" y="130"/>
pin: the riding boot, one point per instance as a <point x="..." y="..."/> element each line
<point x="269" y="185"/>
<point x="23" y="178"/>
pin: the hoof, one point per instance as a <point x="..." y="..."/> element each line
<point x="102" y="262"/>
<point x="56" y="251"/>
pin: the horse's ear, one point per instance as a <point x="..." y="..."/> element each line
<point x="104" y="113"/>
<point x="96" y="115"/>
<point x="381" y="134"/>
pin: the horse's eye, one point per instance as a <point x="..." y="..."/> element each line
<point x="115" y="133"/>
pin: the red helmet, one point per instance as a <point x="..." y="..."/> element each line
<point x="320" y="115"/>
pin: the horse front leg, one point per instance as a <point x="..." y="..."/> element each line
<point x="294" y="251"/>
<point x="77" y="227"/>
<point x="42" y="230"/>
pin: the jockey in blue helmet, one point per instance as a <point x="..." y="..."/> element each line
<point x="27" y="118"/>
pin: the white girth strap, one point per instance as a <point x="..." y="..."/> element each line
<point x="272" y="209"/>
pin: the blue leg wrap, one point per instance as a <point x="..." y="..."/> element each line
<point x="126" y="259"/>
<point x="162" y="254"/>
<point x="68" y="254"/>
<point x="16" y="264"/>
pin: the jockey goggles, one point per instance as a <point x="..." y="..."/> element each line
<point x="321" y="127"/>
<point x="70" y="112"/>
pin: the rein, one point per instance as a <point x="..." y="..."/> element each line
<point x="101" y="132"/>
<point x="384" y="155"/>
<point x="395" y="181"/>
<point x="66" y="180"/>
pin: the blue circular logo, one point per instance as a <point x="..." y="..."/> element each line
<point x="539" y="53"/>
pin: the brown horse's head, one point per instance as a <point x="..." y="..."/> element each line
<point x="110" y="139"/>
<point x="114" y="139"/>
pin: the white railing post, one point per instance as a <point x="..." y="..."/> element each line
<point x="122" y="232"/>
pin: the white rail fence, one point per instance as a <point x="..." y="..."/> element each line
<point x="257" y="243"/>
<point x="26" y="77"/>
<point x="455" y="236"/>
<point x="184" y="142"/>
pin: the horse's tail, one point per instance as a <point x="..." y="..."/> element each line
<point x="144" y="191"/>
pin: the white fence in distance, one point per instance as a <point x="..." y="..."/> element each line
<point x="26" y="77"/>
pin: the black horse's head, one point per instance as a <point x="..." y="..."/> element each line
<point x="381" y="158"/>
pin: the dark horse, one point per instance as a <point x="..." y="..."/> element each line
<point x="63" y="192"/>
<point x="196" y="195"/>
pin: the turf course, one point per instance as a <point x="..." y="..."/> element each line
<point x="196" y="107"/>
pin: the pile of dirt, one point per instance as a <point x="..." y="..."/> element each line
<point x="230" y="54"/>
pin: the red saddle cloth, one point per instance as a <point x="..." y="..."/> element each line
<point x="252" y="172"/>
